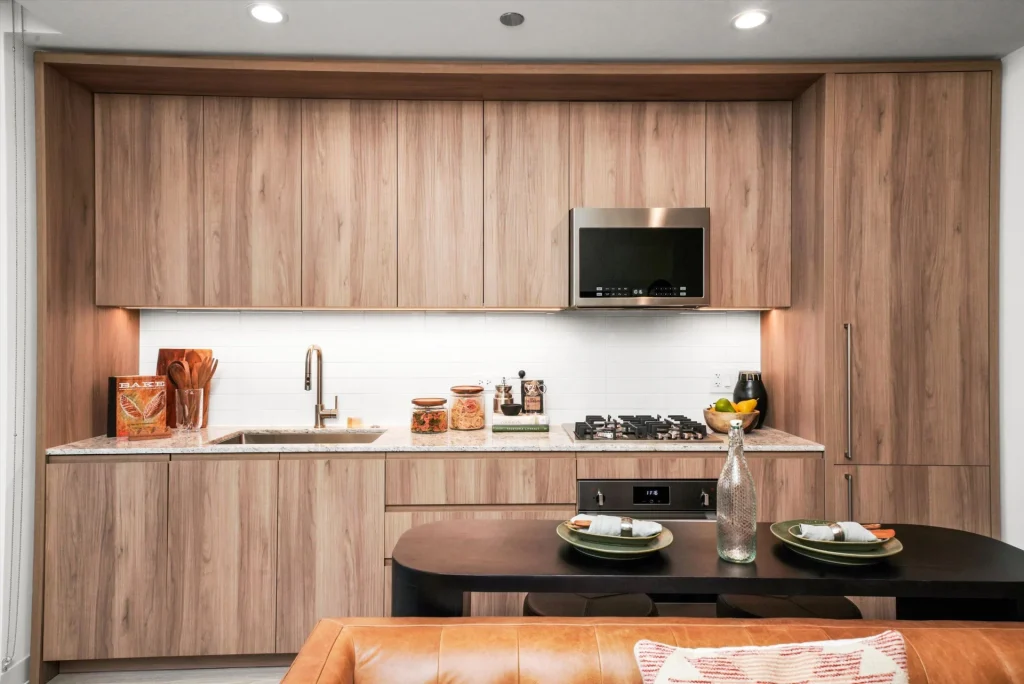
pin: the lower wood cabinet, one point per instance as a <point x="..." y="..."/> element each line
<point x="945" y="496"/>
<point x="788" y="484"/>
<point x="222" y="550"/>
<point x="105" y="566"/>
<point x="330" y="543"/>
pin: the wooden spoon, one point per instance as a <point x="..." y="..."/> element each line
<point x="206" y="371"/>
<point x="180" y="374"/>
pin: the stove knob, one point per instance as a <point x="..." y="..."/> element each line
<point x="600" y="498"/>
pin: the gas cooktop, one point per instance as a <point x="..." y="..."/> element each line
<point x="647" y="428"/>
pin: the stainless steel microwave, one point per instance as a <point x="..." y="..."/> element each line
<point x="626" y="258"/>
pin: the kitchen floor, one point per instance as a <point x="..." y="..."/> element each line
<point x="246" y="675"/>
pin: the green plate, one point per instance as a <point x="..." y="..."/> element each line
<point x="618" y="541"/>
<point x="613" y="551"/>
<point x="849" y="557"/>
<point x="835" y="545"/>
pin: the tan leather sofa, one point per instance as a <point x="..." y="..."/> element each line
<point x="600" y="650"/>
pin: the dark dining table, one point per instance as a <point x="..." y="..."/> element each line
<point x="941" y="574"/>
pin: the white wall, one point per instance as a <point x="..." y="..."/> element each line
<point x="18" y="483"/>
<point x="613" y="362"/>
<point x="1011" y="294"/>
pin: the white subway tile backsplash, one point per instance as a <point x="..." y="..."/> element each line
<point x="593" y="362"/>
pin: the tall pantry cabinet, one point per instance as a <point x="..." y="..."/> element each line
<point x="893" y="299"/>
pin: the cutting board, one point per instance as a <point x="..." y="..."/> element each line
<point x="163" y="360"/>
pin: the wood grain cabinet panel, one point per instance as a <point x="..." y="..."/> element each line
<point x="330" y="543"/>
<point x="526" y="204"/>
<point x="222" y="541"/>
<point x="149" y="200"/>
<point x="748" y="191"/>
<point x="105" y="561"/>
<point x="788" y="485"/>
<point x="251" y="181"/>
<point x="945" y="496"/>
<point x="440" y="204"/>
<point x="912" y="238"/>
<point x="480" y="480"/>
<point x="349" y="213"/>
<point x="637" y="154"/>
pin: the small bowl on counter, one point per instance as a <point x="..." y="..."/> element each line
<point x="511" y="409"/>
<point x="718" y="421"/>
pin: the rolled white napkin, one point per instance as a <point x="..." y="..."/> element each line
<point x="852" y="532"/>
<point x="611" y="526"/>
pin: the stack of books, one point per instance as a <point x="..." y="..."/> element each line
<point x="531" y="422"/>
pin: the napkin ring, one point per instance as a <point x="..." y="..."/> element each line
<point x="837" y="532"/>
<point x="627" y="527"/>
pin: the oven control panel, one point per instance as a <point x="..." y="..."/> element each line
<point x="654" y="498"/>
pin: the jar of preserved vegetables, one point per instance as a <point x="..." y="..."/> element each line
<point x="429" y="414"/>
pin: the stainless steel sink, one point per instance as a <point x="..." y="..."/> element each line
<point x="301" y="438"/>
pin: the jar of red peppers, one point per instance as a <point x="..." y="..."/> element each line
<point x="429" y="415"/>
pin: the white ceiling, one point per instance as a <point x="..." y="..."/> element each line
<point x="554" y="29"/>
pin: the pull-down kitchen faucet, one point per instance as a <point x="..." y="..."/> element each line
<point x="319" y="411"/>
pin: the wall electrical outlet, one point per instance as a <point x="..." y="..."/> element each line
<point x="723" y="380"/>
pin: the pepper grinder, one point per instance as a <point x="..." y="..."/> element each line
<point x="502" y="395"/>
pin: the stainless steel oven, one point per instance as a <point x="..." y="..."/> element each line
<point x="636" y="258"/>
<point x="674" y="500"/>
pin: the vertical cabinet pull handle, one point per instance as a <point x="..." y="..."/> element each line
<point x="848" y="327"/>
<point x="849" y="496"/>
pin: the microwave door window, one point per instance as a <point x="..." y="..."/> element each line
<point x="641" y="262"/>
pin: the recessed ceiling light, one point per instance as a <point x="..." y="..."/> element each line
<point x="750" y="19"/>
<point x="268" y="14"/>
<point x="512" y="19"/>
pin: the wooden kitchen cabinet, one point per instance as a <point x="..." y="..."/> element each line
<point x="349" y="204"/>
<point x="788" y="484"/>
<point x="637" y="154"/>
<point x="222" y="550"/>
<point x="149" y="200"/>
<point x="526" y="204"/>
<point x="440" y="204"/>
<point x="330" y="542"/>
<point x="251" y="194"/>
<point x="105" y="571"/>
<point x="748" y="191"/>
<point x="944" y="496"/>
<point x="912" y="244"/>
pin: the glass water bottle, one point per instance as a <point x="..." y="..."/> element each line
<point x="737" y="504"/>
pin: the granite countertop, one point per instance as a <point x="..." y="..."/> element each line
<point x="400" y="439"/>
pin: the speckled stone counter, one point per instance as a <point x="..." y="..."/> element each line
<point x="400" y="439"/>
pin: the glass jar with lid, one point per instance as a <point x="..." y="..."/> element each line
<point x="429" y="415"/>
<point x="467" y="407"/>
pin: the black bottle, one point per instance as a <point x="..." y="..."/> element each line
<point x="749" y="386"/>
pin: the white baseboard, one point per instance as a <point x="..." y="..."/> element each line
<point x="17" y="674"/>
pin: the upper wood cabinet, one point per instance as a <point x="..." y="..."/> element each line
<point x="105" y="571"/>
<point x="526" y="204"/>
<point x="440" y="204"/>
<point x="149" y="200"/>
<point x="330" y="542"/>
<point x="637" y="154"/>
<point x="912" y="269"/>
<point x="251" y="175"/>
<point x="222" y="551"/>
<point x="748" y="192"/>
<point x="349" y="212"/>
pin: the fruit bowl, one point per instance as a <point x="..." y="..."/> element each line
<point x="719" y="420"/>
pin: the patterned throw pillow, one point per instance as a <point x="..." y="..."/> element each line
<point x="880" y="659"/>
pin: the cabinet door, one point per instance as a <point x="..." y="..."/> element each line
<point x="912" y="260"/>
<point x="149" y="200"/>
<point x="945" y="496"/>
<point x="222" y="541"/>
<point x="748" y="191"/>
<point x="461" y="479"/>
<point x="440" y="204"/>
<point x="526" y="204"/>
<point x="330" y="543"/>
<point x="349" y="214"/>
<point x="251" y="174"/>
<point x="105" y="561"/>
<point x="637" y="154"/>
